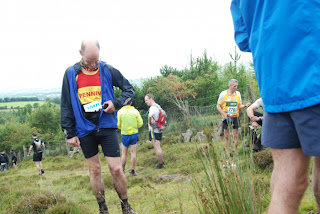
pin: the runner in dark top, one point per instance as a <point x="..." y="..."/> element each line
<point x="4" y="160"/>
<point x="14" y="159"/>
<point x="37" y="145"/>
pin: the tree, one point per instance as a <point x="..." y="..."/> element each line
<point x="235" y="58"/>
<point x="138" y="100"/>
<point x="200" y="66"/>
<point x="167" y="70"/>
<point x="46" y="118"/>
<point x="175" y="90"/>
<point x="148" y="87"/>
<point x="23" y="112"/>
<point x="14" y="134"/>
<point x="2" y="118"/>
<point x="208" y="87"/>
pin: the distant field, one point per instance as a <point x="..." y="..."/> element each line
<point x="20" y="104"/>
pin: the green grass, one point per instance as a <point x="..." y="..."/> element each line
<point x="187" y="183"/>
<point x="20" y="104"/>
<point x="152" y="191"/>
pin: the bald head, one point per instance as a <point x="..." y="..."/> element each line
<point x="86" y="43"/>
<point x="90" y="52"/>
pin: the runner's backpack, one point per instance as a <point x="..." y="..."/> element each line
<point x="161" y="118"/>
<point x="38" y="145"/>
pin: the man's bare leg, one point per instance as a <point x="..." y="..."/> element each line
<point x="316" y="181"/>
<point x="289" y="180"/>
<point x="118" y="177"/>
<point x="39" y="167"/>
<point x="235" y="137"/>
<point x="226" y="138"/>
<point x="95" y="177"/>
<point x="124" y="156"/>
<point x="156" y="145"/>
<point x="133" y="151"/>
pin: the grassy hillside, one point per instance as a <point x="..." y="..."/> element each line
<point x="185" y="185"/>
<point x="67" y="182"/>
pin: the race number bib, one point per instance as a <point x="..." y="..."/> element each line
<point x="232" y="108"/>
<point x="93" y="106"/>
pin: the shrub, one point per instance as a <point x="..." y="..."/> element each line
<point x="263" y="159"/>
<point x="37" y="203"/>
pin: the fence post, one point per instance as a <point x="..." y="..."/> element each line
<point x="48" y="148"/>
<point x="25" y="152"/>
<point x="19" y="156"/>
<point x="252" y="96"/>
<point x="67" y="146"/>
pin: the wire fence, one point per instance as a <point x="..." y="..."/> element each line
<point x="177" y="114"/>
<point x="208" y="117"/>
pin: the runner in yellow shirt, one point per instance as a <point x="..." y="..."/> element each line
<point x="129" y="120"/>
<point x="229" y="105"/>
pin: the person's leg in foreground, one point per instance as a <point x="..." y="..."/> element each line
<point x="293" y="138"/>
<point x="289" y="180"/>
<point x="316" y="181"/>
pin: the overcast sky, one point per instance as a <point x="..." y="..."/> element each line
<point x="40" y="39"/>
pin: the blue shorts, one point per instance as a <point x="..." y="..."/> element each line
<point x="295" y="129"/>
<point x="107" y="138"/>
<point x="128" y="140"/>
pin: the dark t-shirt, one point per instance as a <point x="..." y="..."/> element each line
<point x="14" y="157"/>
<point x="4" y="158"/>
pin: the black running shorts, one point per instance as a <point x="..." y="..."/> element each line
<point x="153" y="135"/>
<point x="107" y="138"/>
<point x="37" y="157"/>
<point x="234" y="123"/>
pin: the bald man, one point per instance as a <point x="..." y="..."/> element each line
<point x="89" y="119"/>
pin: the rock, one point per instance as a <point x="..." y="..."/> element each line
<point x="216" y="137"/>
<point x="200" y="137"/>
<point x="172" y="177"/>
<point x="181" y="138"/>
<point x="188" y="135"/>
